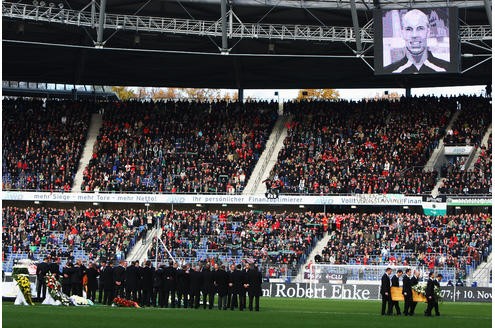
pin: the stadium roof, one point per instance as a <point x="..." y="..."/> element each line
<point x="166" y="43"/>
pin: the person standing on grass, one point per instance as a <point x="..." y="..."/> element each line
<point x="254" y="281"/>
<point x="119" y="279"/>
<point x="92" y="273"/>
<point x="207" y="289"/>
<point x="395" y="283"/>
<point x="108" y="283"/>
<point x="385" y="292"/>
<point x="414" y="282"/>
<point x="407" y="292"/>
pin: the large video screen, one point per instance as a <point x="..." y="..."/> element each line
<point x="416" y="41"/>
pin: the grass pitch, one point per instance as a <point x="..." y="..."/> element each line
<point x="275" y="312"/>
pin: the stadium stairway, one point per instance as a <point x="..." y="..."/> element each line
<point x="482" y="274"/>
<point x="94" y="129"/>
<point x="433" y="162"/>
<point x="269" y="157"/>
<point x="140" y="250"/>
<point x="484" y="142"/>
<point x="311" y="257"/>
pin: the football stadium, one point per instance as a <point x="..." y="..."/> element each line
<point x="148" y="180"/>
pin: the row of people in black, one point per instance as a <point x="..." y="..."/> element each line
<point x="166" y="286"/>
<point x="408" y="281"/>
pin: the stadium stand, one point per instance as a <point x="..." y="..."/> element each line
<point x="459" y="241"/>
<point x="68" y="233"/>
<point x="362" y="147"/>
<point x="460" y="180"/>
<point x="181" y="147"/>
<point x="42" y="143"/>
<point x="474" y="118"/>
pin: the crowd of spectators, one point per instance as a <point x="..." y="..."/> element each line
<point x="42" y="143"/>
<point x="460" y="180"/>
<point x="362" y="147"/>
<point x="474" y="118"/>
<point x="179" y="146"/>
<point x="100" y="234"/>
<point x="408" y="239"/>
<point x="276" y="240"/>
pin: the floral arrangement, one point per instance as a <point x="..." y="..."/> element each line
<point x="122" y="302"/>
<point x="80" y="301"/>
<point x="21" y="277"/>
<point x="55" y="290"/>
<point x="421" y="289"/>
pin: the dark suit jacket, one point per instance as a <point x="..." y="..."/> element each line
<point x="254" y="280"/>
<point x="196" y="281"/>
<point x="170" y="278"/>
<point x="221" y="279"/>
<point x="431" y="65"/>
<point x="106" y="278"/>
<point x="147" y="277"/>
<point x="132" y="277"/>
<point x="54" y="268"/>
<point x="430" y="288"/>
<point x="385" y="285"/>
<point x="119" y="275"/>
<point x="41" y="270"/>
<point x="395" y="281"/>
<point x="183" y="281"/>
<point x="238" y="279"/>
<point x="207" y="281"/>
<point x="406" y="288"/>
<point x="414" y="281"/>
<point x="92" y="275"/>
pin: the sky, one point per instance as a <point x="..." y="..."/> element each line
<point x="357" y="94"/>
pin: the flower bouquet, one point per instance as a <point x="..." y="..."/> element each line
<point x="122" y="302"/>
<point x="80" y="301"/>
<point x="55" y="291"/>
<point x="21" y="277"/>
<point x="420" y="288"/>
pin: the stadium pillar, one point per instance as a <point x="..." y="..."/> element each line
<point x="408" y="92"/>
<point x="101" y="23"/>
<point x="488" y="8"/>
<point x="240" y="95"/>
<point x="355" y="23"/>
<point x="225" y="46"/>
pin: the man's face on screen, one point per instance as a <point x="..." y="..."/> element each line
<point x="415" y="30"/>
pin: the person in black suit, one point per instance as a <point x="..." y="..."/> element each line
<point x="101" y="281"/>
<point x="242" y="302"/>
<point x="158" y="288"/>
<point x="385" y="292"/>
<point x="196" y="283"/>
<point x="119" y="279"/>
<point x="131" y="281"/>
<point x="237" y="285"/>
<point x="66" y="278"/>
<point x="41" y="271"/>
<point x="54" y="267"/>
<point x="254" y="281"/>
<point x="430" y="294"/>
<point x="436" y="283"/>
<point x="414" y="282"/>
<point x="183" y="282"/>
<point x="395" y="283"/>
<point x="108" y="283"/>
<point x="170" y="283"/>
<point x="207" y="288"/>
<point x="147" y="283"/>
<point x="221" y="282"/>
<point x="407" y="292"/>
<point x="76" y="278"/>
<point x="92" y="273"/>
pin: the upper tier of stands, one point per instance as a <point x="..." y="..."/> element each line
<point x="179" y="147"/>
<point x="362" y="147"/>
<point x="42" y="143"/>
